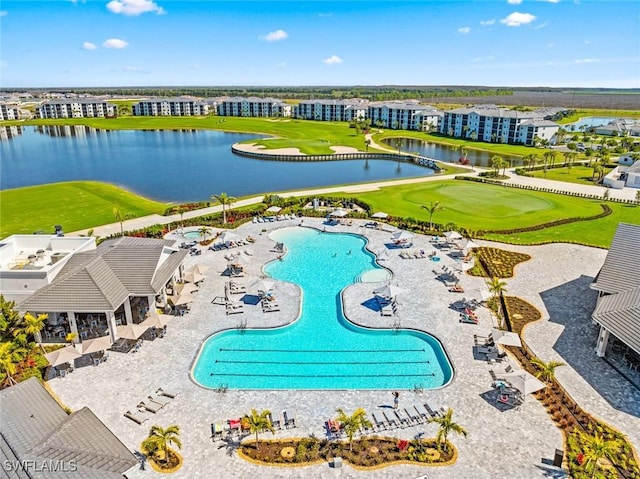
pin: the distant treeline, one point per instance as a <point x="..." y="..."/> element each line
<point x="374" y="93"/>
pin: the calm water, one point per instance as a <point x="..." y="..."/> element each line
<point x="589" y="121"/>
<point x="445" y="153"/>
<point x="172" y="166"/>
<point x="321" y="350"/>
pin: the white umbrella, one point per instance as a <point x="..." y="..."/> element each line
<point x="339" y="213"/>
<point x="388" y="291"/>
<point x="401" y="236"/>
<point x="159" y="321"/>
<point x="180" y="299"/>
<point x="274" y="209"/>
<point x="96" y="344"/>
<point x="469" y="244"/>
<point x="264" y="285"/>
<point x="192" y="277"/>
<point x="186" y="288"/>
<point x="523" y="381"/>
<point x="62" y="355"/>
<point x="506" y="338"/>
<point x="462" y="267"/>
<point x="380" y="214"/>
<point x="198" y="268"/>
<point x="484" y="294"/>
<point x="227" y="237"/>
<point x="452" y="235"/>
<point x="131" y="331"/>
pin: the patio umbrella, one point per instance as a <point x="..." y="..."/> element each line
<point x="192" y="277"/>
<point x="264" y="285"/>
<point x="339" y="213"/>
<point x="186" y="288"/>
<point x="159" y="321"/>
<point x="380" y="214"/>
<point x="452" y="235"/>
<point x="227" y="237"/>
<point x="181" y="299"/>
<point x="274" y="209"/>
<point x="63" y="355"/>
<point x="506" y="338"/>
<point x="131" y="331"/>
<point x="388" y="291"/>
<point x="484" y="294"/>
<point x="198" y="268"/>
<point x="462" y="267"/>
<point x="96" y="344"/>
<point x="524" y="382"/>
<point x="400" y="236"/>
<point x="468" y="244"/>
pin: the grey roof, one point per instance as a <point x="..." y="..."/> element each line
<point x="635" y="168"/>
<point x="35" y="428"/>
<point x="621" y="268"/>
<point x="539" y="122"/>
<point x="68" y="101"/>
<point x="620" y="314"/>
<point x="493" y="111"/>
<point x="101" y="280"/>
<point x="347" y="102"/>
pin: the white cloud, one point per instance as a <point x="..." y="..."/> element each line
<point x="332" y="60"/>
<point x="553" y="1"/>
<point x="4" y="13"/>
<point x="115" y="43"/>
<point x="586" y="60"/>
<point x="542" y="25"/>
<point x="134" y="70"/>
<point x="134" y="7"/>
<point x="325" y="14"/>
<point x="550" y="45"/>
<point x="274" y="36"/>
<point x="486" y="23"/>
<point x="514" y="2"/>
<point x="516" y="19"/>
<point x="464" y="30"/>
<point x="89" y="46"/>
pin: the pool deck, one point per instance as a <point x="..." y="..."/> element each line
<point x="500" y="444"/>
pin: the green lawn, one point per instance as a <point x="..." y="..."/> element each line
<point x="75" y="205"/>
<point x="577" y="174"/>
<point x="584" y="113"/>
<point x="478" y="206"/>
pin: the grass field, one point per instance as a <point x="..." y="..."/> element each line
<point x="75" y="205"/>
<point x="577" y="174"/>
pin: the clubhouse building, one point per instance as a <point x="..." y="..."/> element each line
<point x="77" y="108"/>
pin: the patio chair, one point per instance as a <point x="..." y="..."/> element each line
<point x="217" y="431"/>
<point x="289" y="419"/>
<point x="235" y="307"/>
<point x="465" y="318"/>
<point x="402" y="417"/>
<point x="379" y="422"/>
<point x="392" y="420"/>
<point x="269" y="306"/>
<point x="155" y="401"/>
<point x="276" y="423"/>
<point x="134" y="418"/>
<point x="412" y="414"/>
<point x="422" y="412"/>
<point x="162" y="392"/>
<point x="154" y="408"/>
<point x="432" y="412"/>
<point x="235" y="426"/>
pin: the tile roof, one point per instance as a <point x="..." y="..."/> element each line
<point x="34" y="427"/>
<point x="620" y="314"/>
<point x="621" y="268"/>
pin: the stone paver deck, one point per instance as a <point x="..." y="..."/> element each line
<point x="507" y="444"/>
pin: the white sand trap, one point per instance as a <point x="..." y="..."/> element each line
<point x="253" y="148"/>
<point x="277" y="120"/>
<point x="344" y="149"/>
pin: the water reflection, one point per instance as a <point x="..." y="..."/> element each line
<point x="69" y="131"/>
<point x="9" y="132"/>
<point x="448" y="154"/>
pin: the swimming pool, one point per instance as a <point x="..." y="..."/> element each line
<point x="192" y="235"/>
<point x="321" y="350"/>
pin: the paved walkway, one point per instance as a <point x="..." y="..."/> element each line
<point x="501" y="443"/>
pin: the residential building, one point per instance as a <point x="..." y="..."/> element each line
<point x="497" y="125"/>
<point x="77" y="108"/>
<point x="170" y="107"/>
<point x="120" y="282"/>
<point x="9" y="112"/>
<point x="622" y="127"/>
<point x="623" y="176"/>
<point x="331" y="110"/>
<point x="253" y="107"/>
<point x="39" y="439"/>
<point x="618" y="284"/>
<point x="407" y="115"/>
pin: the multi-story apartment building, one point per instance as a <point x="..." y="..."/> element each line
<point x="331" y="110"/>
<point x="170" y="107"/>
<point x="9" y="112"/>
<point x="497" y="125"/>
<point x="253" y="107"/>
<point x="77" y="108"/>
<point x="408" y="115"/>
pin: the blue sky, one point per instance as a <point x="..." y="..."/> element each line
<point x="559" y="43"/>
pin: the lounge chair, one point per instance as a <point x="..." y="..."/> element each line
<point x="236" y="288"/>
<point x="432" y="412"/>
<point x="405" y="421"/>
<point x="465" y="318"/>
<point x="269" y="306"/>
<point x="154" y="408"/>
<point x="155" y="401"/>
<point x="234" y="307"/>
<point x="412" y="414"/>
<point x="378" y="422"/>
<point x="422" y="412"/>
<point x="235" y="426"/>
<point x="134" y="418"/>
<point x="217" y="431"/>
<point x="392" y="420"/>
<point x="276" y="423"/>
<point x="387" y="310"/>
<point x="289" y="419"/>
<point x="162" y="392"/>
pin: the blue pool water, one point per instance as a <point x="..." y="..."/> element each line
<point x="192" y="235"/>
<point x="322" y="350"/>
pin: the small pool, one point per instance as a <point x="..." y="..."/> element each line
<point x="322" y="350"/>
<point x="192" y="235"/>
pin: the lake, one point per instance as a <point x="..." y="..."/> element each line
<point x="590" y="121"/>
<point x="170" y="166"/>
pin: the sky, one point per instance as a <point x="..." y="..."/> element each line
<point x="111" y="43"/>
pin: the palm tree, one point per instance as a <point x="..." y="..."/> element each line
<point x="496" y="164"/>
<point x="546" y="371"/>
<point x="446" y="426"/>
<point x="160" y="439"/>
<point x="433" y="207"/>
<point x="260" y="423"/>
<point x="181" y="211"/>
<point x="497" y="286"/>
<point x="367" y="142"/>
<point x="204" y="231"/>
<point x="353" y="423"/>
<point x="463" y="152"/>
<point x="10" y="355"/>
<point x="597" y="447"/>
<point x="638" y="196"/>
<point x="33" y="324"/>
<point x="398" y="145"/>
<point x="120" y="218"/>
<point x="224" y="200"/>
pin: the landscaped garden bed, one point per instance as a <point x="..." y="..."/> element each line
<point x="365" y="452"/>
<point x="496" y="262"/>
